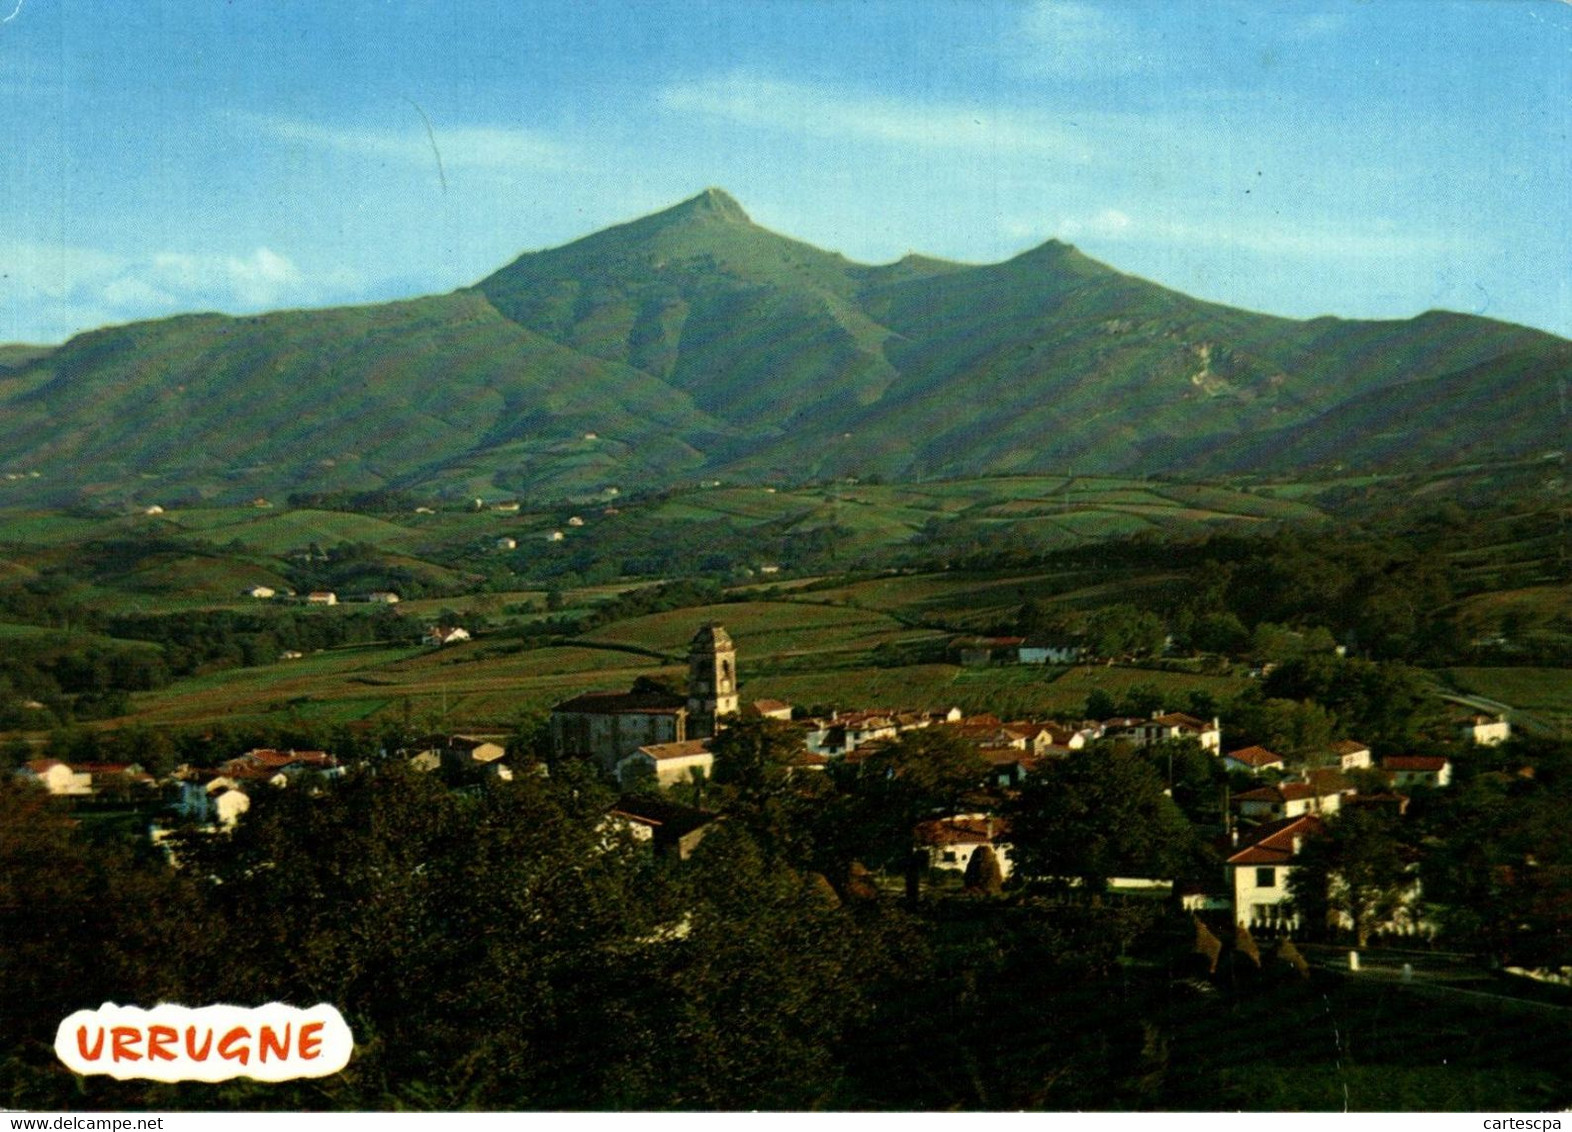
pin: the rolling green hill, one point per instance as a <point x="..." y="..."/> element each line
<point x="695" y="344"/>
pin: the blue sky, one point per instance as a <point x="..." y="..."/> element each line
<point x="1369" y="159"/>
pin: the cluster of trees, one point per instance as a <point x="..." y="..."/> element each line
<point x="204" y="640"/>
<point x="648" y="545"/>
<point x="72" y="679"/>
<point x="360" y="568"/>
<point x="507" y="948"/>
<point x="1388" y="594"/>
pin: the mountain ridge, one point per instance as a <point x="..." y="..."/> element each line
<point x="693" y="342"/>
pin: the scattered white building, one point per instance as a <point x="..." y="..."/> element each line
<point x="1486" y="730"/>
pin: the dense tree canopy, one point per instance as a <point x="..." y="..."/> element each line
<point x="1100" y="814"/>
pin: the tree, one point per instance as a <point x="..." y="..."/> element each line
<point x="1357" y="872"/>
<point x="1098" y="814"/>
<point x="983" y="875"/>
<point x="923" y="773"/>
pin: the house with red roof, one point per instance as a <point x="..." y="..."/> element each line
<point x="1166" y="725"/>
<point x="950" y="842"/>
<point x="1259" y="868"/>
<point x="1418" y="770"/>
<point x="1292" y="799"/>
<point x="1254" y="760"/>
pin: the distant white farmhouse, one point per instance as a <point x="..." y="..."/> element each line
<point x="1486" y="731"/>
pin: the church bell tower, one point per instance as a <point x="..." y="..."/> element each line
<point x="712" y="680"/>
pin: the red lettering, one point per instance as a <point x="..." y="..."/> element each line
<point x="268" y="1042"/>
<point x="191" y="1047"/>
<point x="121" y="1041"/>
<point x="158" y="1039"/>
<point x="310" y="1044"/>
<point x="227" y="1044"/>
<point x="81" y="1044"/>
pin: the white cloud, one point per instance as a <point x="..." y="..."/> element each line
<point x="813" y="111"/>
<point x="463" y="147"/>
<point x="51" y="291"/>
<point x="1078" y="40"/>
<point x="1326" y="239"/>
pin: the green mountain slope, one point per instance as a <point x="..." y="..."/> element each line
<point x="694" y="343"/>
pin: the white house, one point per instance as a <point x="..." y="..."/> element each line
<point x="1291" y="800"/>
<point x="385" y="597"/>
<point x="56" y="777"/>
<point x="440" y="635"/>
<point x="321" y="597"/>
<point x="261" y="592"/>
<point x="1167" y="725"/>
<point x="1253" y="759"/>
<point x="669" y="763"/>
<point x="1486" y="731"/>
<point x="1351" y="754"/>
<point x="950" y="842"/>
<point x="507" y="543"/>
<point x="1418" y="770"/>
<point x="769" y="709"/>
<point x="1259" y="871"/>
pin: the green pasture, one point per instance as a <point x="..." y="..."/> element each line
<point x="1543" y="692"/>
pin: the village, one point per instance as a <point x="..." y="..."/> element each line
<point x="657" y="745"/>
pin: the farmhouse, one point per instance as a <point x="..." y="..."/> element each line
<point x="1486" y="730"/>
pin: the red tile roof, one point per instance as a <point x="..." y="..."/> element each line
<point x="1429" y="763"/>
<point x="1258" y="757"/>
<point x="1273" y="843"/>
<point x="1180" y="719"/>
<point x="960" y="831"/>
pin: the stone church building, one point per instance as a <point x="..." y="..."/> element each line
<point x="609" y="726"/>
